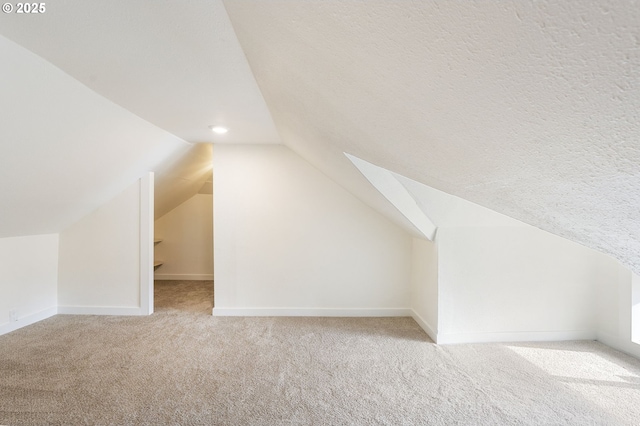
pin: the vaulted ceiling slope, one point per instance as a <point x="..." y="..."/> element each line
<point x="95" y="94"/>
<point x="182" y="177"/>
<point x="65" y="150"/>
<point x="176" y="64"/>
<point x="528" y="108"/>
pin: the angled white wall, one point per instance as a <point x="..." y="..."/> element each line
<point x="186" y="249"/>
<point x="105" y="258"/>
<point x="83" y="151"/>
<point x="290" y="241"/>
<point x="393" y="190"/>
<point x="488" y="277"/>
<point x="28" y="280"/>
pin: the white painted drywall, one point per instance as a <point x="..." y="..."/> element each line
<point x="99" y="269"/>
<point x="83" y="151"/>
<point x="147" y="201"/>
<point x="393" y="190"/>
<point x="28" y="279"/>
<point x="635" y="309"/>
<point x="612" y="297"/>
<point x="186" y="249"/>
<point x="515" y="283"/>
<point x="502" y="280"/>
<point x="615" y="308"/>
<point x="177" y="65"/>
<point x="290" y="240"/>
<point x="424" y="285"/>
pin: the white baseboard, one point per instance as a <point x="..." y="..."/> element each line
<point x="100" y="310"/>
<point x="424" y="325"/>
<point x="619" y="344"/>
<point x="311" y="312"/>
<point x="27" y="320"/>
<point x="516" y="336"/>
<point x="184" y="277"/>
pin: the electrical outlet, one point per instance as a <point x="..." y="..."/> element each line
<point x="13" y="315"/>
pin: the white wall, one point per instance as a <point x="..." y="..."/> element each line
<point x="28" y="279"/>
<point x="616" y="311"/>
<point x="635" y="309"/>
<point x="489" y="277"/>
<point x="288" y="240"/>
<point x="187" y="241"/>
<point x="100" y="267"/>
<point x="424" y="285"/>
<point x="515" y="283"/>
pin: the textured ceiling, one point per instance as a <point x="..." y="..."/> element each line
<point x="528" y="108"/>
<point x="176" y="64"/>
<point x="531" y="109"/>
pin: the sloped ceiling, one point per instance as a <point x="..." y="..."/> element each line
<point x="427" y="208"/>
<point x="183" y="177"/>
<point x="176" y="64"/>
<point x="65" y="150"/>
<point x="528" y="108"/>
<point x="94" y="94"/>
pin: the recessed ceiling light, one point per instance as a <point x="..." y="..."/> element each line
<point x="219" y="129"/>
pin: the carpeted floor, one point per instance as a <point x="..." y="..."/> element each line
<point x="181" y="366"/>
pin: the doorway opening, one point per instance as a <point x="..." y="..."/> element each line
<point x="183" y="233"/>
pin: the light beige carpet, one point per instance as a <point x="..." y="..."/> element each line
<point x="181" y="366"/>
